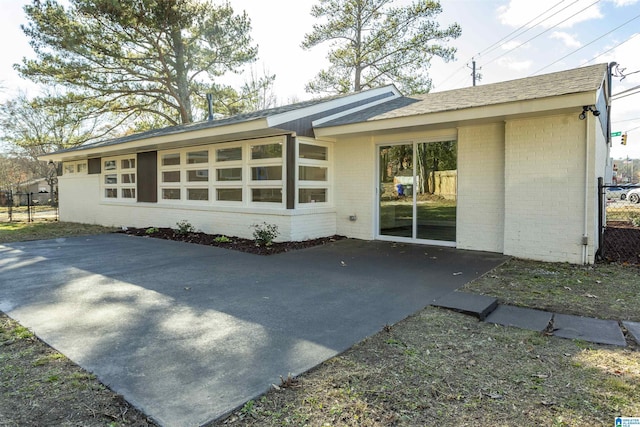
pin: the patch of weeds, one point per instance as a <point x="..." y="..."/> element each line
<point x="53" y="378"/>
<point x="222" y="239"/>
<point x="21" y="333"/>
<point x="151" y="230"/>
<point x="265" y="234"/>
<point x="249" y="408"/>
<point x="47" y="359"/>
<point x="184" y="227"/>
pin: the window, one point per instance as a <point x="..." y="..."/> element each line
<point x="74" y="168"/>
<point x="243" y="173"/>
<point x="266" y="166"/>
<point x="313" y="174"/>
<point x="119" y="178"/>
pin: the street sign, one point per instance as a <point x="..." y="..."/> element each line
<point x="616" y="133"/>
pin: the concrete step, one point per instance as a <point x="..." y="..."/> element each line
<point x="634" y="330"/>
<point x="476" y="305"/>
<point x="520" y="317"/>
<point x="588" y="329"/>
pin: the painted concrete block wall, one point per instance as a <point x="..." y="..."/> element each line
<point x="480" y="211"/>
<point x="290" y="227"/>
<point x="544" y="188"/>
<point x="354" y="183"/>
<point x="78" y="198"/>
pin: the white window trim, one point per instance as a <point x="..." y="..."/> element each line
<point x="304" y="185"/>
<point x="119" y="185"/>
<point x="75" y="165"/>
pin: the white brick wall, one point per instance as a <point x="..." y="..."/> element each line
<point x="544" y="193"/>
<point x="354" y="170"/>
<point x="480" y="213"/>
<point x="80" y="202"/>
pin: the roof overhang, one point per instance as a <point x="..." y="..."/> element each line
<point x="467" y="116"/>
<point x="213" y="135"/>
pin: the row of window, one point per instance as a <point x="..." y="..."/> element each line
<point x="235" y="173"/>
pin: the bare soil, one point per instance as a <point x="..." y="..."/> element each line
<point x="229" y="242"/>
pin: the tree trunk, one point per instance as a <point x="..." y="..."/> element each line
<point x="182" y="81"/>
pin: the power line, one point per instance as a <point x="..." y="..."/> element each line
<point x="588" y="44"/>
<point x="629" y="94"/>
<point x="506" y="38"/>
<point x="609" y="50"/>
<point x="625" y="91"/>
<point x="545" y="31"/>
<point x="496" y="44"/>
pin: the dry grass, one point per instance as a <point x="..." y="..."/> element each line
<point x="605" y="291"/>
<point x="444" y="368"/>
<point x="434" y="368"/>
<point x="39" y="230"/>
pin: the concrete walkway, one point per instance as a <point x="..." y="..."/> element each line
<point x="561" y="325"/>
<point x="188" y="333"/>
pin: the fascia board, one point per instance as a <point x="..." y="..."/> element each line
<point x="290" y="116"/>
<point x="498" y="112"/>
<point x="245" y="130"/>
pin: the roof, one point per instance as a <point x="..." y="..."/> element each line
<point x="579" y="80"/>
<point x="357" y="109"/>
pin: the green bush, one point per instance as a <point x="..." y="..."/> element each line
<point x="635" y="219"/>
<point x="222" y="239"/>
<point x="264" y="233"/>
<point x="184" y="227"/>
<point x="151" y="230"/>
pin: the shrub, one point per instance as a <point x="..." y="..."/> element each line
<point x="151" y="230"/>
<point x="264" y="233"/>
<point x="635" y="219"/>
<point x="222" y="239"/>
<point x="184" y="227"/>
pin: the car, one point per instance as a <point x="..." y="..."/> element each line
<point x="633" y="195"/>
<point x="616" y="193"/>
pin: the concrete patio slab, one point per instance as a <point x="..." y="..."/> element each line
<point x="188" y="333"/>
<point x="588" y="329"/>
<point x="463" y="302"/>
<point x="520" y="317"/>
<point x="634" y="329"/>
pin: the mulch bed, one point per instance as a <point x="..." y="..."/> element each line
<point x="235" y="243"/>
<point x="621" y="243"/>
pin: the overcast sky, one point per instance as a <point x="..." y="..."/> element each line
<point x="507" y="38"/>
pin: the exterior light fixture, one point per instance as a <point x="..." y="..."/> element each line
<point x="586" y="108"/>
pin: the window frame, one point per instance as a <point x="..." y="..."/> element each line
<point x="119" y="170"/>
<point x="326" y="185"/>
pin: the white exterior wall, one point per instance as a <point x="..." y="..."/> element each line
<point x="480" y="211"/>
<point x="78" y="198"/>
<point x="354" y="172"/>
<point x="544" y="188"/>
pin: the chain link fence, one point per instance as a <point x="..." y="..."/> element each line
<point x="26" y="207"/>
<point x="620" y="223"/>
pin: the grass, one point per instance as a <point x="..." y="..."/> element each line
<point x="433" y="368"/>
<point x="38" y="230"/>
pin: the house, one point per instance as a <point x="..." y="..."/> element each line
<point x="510" y="167"/>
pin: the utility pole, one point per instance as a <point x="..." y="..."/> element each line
<point x="475" y="75"/>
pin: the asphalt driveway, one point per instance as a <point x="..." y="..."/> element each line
<point x="188" y="333"/>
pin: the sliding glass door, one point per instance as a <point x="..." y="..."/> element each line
<point x="418" y="191"/>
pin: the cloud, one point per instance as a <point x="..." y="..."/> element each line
<point x="515" y="65"/>
<point x="622" y="3"/>
<point x="566" y="38"/>
<point x="547" y="13"/>
<point x="511" y="45"/>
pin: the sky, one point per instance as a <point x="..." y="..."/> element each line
<point x="508" y="39"/>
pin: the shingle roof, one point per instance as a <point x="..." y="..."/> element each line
<point x="172" y="130"/>
<point x="547" y="85"/>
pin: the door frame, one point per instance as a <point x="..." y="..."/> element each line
<point x="376" y="220"/>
